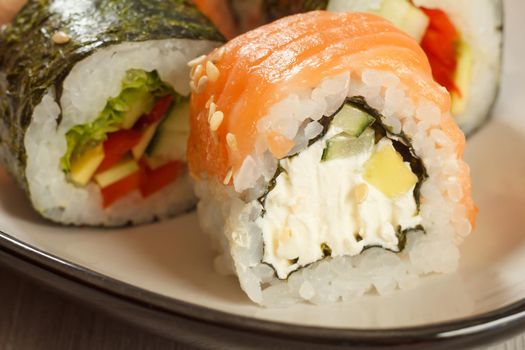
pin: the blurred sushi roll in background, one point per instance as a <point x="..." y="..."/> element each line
<point x="94" y="107"/>
<point x="326" y="160"/>
<point x="221" y="14"/>
<point x="462" y="39"/>
<point x="9" y="8"/>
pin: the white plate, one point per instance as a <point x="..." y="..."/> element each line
<point x="174" y="259"/>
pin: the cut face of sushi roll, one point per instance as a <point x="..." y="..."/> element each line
<point x="327" y="162"/>
<point x="137" y="142"/>
<point x="462" y="40"/>
<point x="95" y="121"/>
<point x="355" y="186"/>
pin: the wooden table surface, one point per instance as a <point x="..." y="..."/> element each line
<point x="33" y="317"/>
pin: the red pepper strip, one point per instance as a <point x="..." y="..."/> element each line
<point x="155" y="180"/>
<point x="157" y="113"/>
<point x="121" y="188"/>
<point x="439" y="43"/>
<point x="117" y="145"/>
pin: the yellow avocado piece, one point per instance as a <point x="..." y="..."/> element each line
<point x="83" y="168"/>
<point x="462" y="78"/>
<point x="387" y="172"/>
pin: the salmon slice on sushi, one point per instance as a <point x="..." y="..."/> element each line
<point x="326" y="160"/>
<point x="462" y="39"/>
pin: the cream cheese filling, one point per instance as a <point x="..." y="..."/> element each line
<point x="325" y="207"/>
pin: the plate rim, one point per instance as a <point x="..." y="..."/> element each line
<point x="498" y="322"/>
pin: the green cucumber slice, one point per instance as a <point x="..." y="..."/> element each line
<point x="344" y="146"/>
<point x="178" y="119"/>
<point x="136" y="103"/>
<point x="171" y="137"/>
<point x="405" y="16"/>
<point x="352" y="121"/>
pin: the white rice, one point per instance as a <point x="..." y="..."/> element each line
<point x="479" y="22"/>
<point x="229" y="214"/>
<point x="85" y="93"/>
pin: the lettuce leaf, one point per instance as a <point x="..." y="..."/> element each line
<point x="136" y="83"/>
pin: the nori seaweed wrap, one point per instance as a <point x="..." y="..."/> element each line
<point x="93" y="106"/>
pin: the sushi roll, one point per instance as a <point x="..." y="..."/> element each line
<point x="94" y="101"/>
<point x="326" y="160"/>
<point x="462" y="40"/>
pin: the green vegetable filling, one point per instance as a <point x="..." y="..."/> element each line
<point x="362" y="127"/>
<point x="140" y="90"/>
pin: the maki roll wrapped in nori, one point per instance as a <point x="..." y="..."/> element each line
<point x="462" y="40"/>
<point x="94" y="106"/>
<point x="326" y="160"/>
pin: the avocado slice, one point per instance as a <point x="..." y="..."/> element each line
<point x="139" y="150"/>
<point x="462" y="78"/>
<point x="387" y="172"/>
<point x="84" y="167"/>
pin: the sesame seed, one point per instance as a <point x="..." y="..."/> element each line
<point x="211" y="112"/>
<point x="192" y="71"/>
<point x="228" y="177"/>
<point x="220" y="53"/>
<point x="216" y="120"/>
<point x="212" y="71"/>
<point x="361" y="192"/>
<point x="197" y="71"/>
<point x="60" y="38"/>
<point x="209" y="102"/>
<point x="197" y="61"/>
<point x="193" y="87"/>
<point x="201" y="85"/>
<point x="231" y="140"/>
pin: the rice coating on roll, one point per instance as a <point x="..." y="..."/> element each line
<point x="326" y="159"/>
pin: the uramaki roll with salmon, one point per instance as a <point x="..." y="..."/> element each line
<point x="326" y="160"/>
